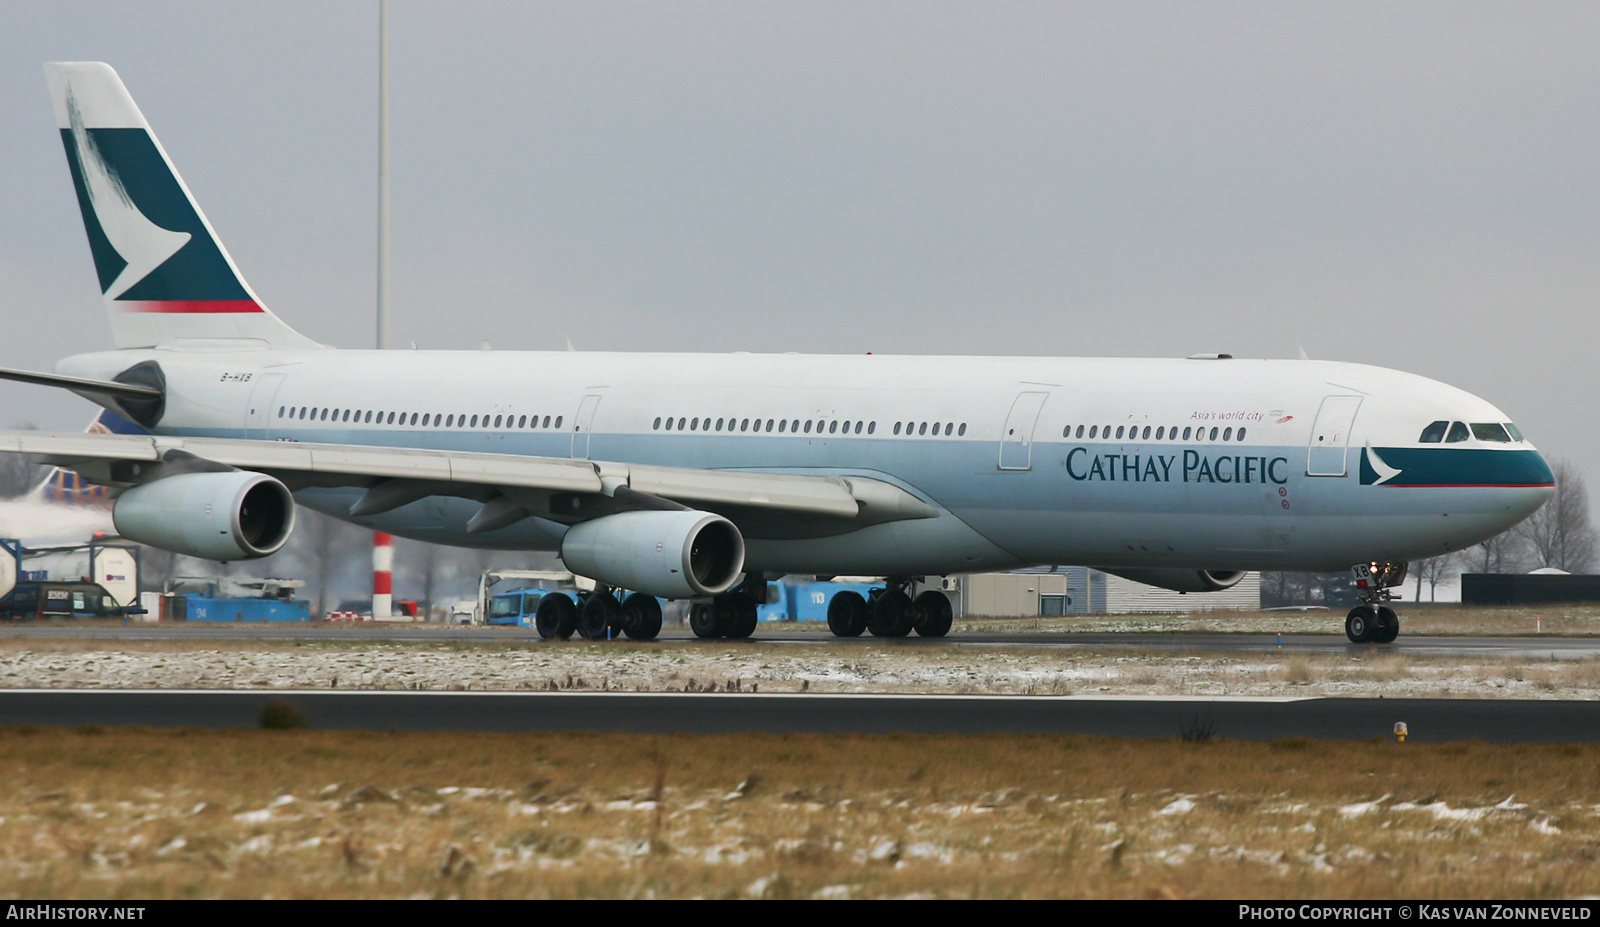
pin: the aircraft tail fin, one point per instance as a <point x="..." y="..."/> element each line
<point x="164" y="273"/>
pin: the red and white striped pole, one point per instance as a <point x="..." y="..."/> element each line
<point x="382" y="576"/>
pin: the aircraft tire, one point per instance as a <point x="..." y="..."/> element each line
<point x="741" y="616"/>
<point x="641" y="617"/>
<point x="892" y="615"/>
<point x="847" y="614"/>
<point x="933" y="614"/>
<point x="557" y="617"/>
<point x="703" y="621"/>
<point x="601" y="614"/>
<point x="1361" y="625"/>
<point x="1388" y="625"/>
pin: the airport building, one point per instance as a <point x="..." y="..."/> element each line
<point x="1068" y="591"/>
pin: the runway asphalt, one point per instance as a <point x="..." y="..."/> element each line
<point x="1530" y="647"/>
<point x="1429" y="720"/>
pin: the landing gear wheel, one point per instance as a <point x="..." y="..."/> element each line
<point x="933" y="614"/>
<point x="641" y="617"/>
<point x="847" y="614"/>
<point x="1361" y="625"/>
<point x="1388" y="625"/>
<point x="601" y="613"/>
<point x="557" y="616"/>
<point x="703" y="621"/>
<point x="892" y="614"/>
<point x="741" y="618"/>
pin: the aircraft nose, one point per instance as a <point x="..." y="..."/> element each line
<point x="1533" y="490"/>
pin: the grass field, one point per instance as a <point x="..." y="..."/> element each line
<point x="308" y="814"/>
<point x="820" y="666"/>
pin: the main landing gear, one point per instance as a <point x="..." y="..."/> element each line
<point x="1373" y="622"/>
<point x="598" y="616"/>
<point x="731" y="615"/>
<point x="890" y="612"/>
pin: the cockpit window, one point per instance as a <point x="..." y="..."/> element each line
<point x="1458" y="433"/>
<point x="1434" y="433"/>
<point x="1515" y="434"/>
<point x="1490" y="431"/>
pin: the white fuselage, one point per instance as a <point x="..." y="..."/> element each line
<point x="1198" y="463"/>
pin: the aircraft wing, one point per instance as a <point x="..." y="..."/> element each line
<point x="553" y="487"/>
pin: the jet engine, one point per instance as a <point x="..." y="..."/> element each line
<point x="675" y="555"/>
<point x="1184" y="580"/>
<point x="229" y="515"/>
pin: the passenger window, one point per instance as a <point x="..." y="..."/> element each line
<point x="1227" y="434"/>
<point x="808" y="426"/>
<point x="474" y="422"/>
<point x="794" y="426"/>
<point x="413" y="418"/>
<point x="694" y="423"/>
<point x="744" y="425"/>
<point x="1119" y="432"/>
<point x="558" y="421"/>
<point x="1213" y="434"/>
<point x="1160" y="431"/>
<point x="1434" y="433"/>
<point x="1093" y="430"/>
<point x="962" y="430"/>
<point x="833" y="428"/>
<point x="896" y="427"/>
<point x="1186" y="433"/>
<point x="922" y="429"/>
<point x="1241" y="434"/>
<point x="547" y="422"/>
<point x="1146" y="435"/>
<point x="682" y="421"/>
<point x="872" y="427"/>
<point x="1458" y="433"/>
<point x="1080" y="431"/>
<point x="783" y="425"/>
<point x="522" y="421"/>
<point x="669" y="423"/>
<point x="1490" y="431"/>
<point x="770" y="423"/>
<point x="280" y="411"/>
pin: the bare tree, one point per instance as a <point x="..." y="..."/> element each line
<point x="1433" y="571"/>
<point x="1559" y="535"/>
<point x="20" y="473"/>
<point x="1502" y="553"/>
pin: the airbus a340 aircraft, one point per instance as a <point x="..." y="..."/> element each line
<point x="697" y="476"/>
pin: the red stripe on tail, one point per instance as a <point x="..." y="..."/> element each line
<point x="188" y="305"/>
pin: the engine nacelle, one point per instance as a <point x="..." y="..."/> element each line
<point x="1184" y="580"/>
<point x="675" y="555"/>
<point x="231" y="515"/>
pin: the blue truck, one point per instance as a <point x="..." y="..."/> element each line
<point x="520" y="607"/>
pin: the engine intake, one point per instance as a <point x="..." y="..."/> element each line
<point x="1184" y="580"/>
<point x="675" y="555"/>
<point x="232" y="515"/>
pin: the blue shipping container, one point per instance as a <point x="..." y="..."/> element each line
<point x="247" y="611"/>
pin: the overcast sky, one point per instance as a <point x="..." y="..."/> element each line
<point x="1412" y="185"/>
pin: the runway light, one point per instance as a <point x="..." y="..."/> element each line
<point x="1400" y="731"/>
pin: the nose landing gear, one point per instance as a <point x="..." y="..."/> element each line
<point x="1373" y="622"/>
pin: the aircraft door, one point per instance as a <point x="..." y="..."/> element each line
<point x="1330" y="436"/>
<point x="1016" y="439"/>
<point x="582" y="423"/>
<point x="258" y="415"/>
